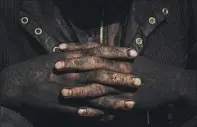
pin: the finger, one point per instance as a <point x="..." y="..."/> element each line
<point x="77" y="46"/>
<point x="113" y="102"/>
<point x="95" y="49"/>
<point x="112" y="52"/>
<point x="89" y="112"/>
<point x="105" y="77"/>
<point x="92" y="90"/>
<point x="90" y="63"/>
<point x="114" y="78"/>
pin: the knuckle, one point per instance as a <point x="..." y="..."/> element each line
<point x="101" y="75"/>
<point x="114" y="103"/>
<point x="99" y="89"/>
<point x="118" y="104"/>
<point x="125" y="66"/>
<point x="95" y="59"/>
<point x="99" y="51"/>
<point x="102" y="101"/>
<point x="117" y="77"/>
<point x="105" y="102"/>
<point x="86" y="91"/>
<point x="80" y="91"/>
<point x="101" y="71"/>
<point x="91" y="62"/>
<point x="78" y="62"/>
<point x="75" y="92"/>
<point x="94" y="112"/>
<point x="89" y="59"/>
<point x="103" y="49"/>
<point x="74" y="54"/>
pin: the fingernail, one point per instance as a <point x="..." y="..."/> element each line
<point x="129" y="104"/>
<point x="137" y="81"/>
<point x="63" y="46"/>
<point x="132" y="53"/>
<point x="82" y="112"/>
<point x="59" y="65"/>
<point x="66" y="92"/>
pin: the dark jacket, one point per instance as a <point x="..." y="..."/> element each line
<point x="160" y="30"/>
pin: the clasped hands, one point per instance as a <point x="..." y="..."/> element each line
<point x="98" y="76"/>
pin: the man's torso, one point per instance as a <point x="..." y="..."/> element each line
<point x="159" y="30"/>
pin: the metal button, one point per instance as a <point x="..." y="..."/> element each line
<point x="165" y="11"/>
<point x="152" y="20"/>
<point x="56" y="48"/>
<point x="24" y="20"/>
<point x="139" y="41"/>
<point x="38" y="31"/>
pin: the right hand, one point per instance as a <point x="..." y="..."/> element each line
<point x="34" y="82"/>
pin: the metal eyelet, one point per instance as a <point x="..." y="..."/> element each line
<point x="139" y="41"/>
<point x="38" y="31"/>
<point x="152" y="20"/>
<point x="165" y="11"/>
<point x="24" y="20"/>
<point x="55" y="49"/>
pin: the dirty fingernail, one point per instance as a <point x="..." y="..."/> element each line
<point x="137" y="81"/>
<point x="82" y="112"/>
<point x="132" y="53"/>
<point x="59" y="65"/>
<point x="66" y="92"/>
<point x="63" y="46"/>
<point x="129" y="104"/>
